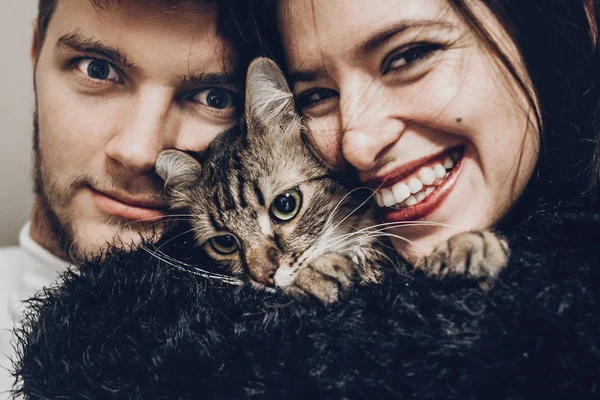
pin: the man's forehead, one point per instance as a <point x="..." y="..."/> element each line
<point x="148" y="9"/>
<point x="147" y="32"/>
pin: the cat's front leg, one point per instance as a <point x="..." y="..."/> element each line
<point x="479" y="255"/>
<point x="326" y="278"/>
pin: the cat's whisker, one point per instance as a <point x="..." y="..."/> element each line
<point x="162" y="218"/>
<point x="185" y="267"/>
<point x="339" y="242"/>
<point x="175" y="237"/>
<point x="337" y="206"/>
<point x="153" y="226"/>
<point x="311" y="245"/>
<point x="326" y="224"/>
<point x="386" y="226"/>
<point x="412" y="244"/>
<point x="401" y="224"/>
<point x="370" y="235"/>
<point x="355" y="209"/>
<point x="124" y="226"/>
<point x="343" y="239"/>
<point x="408" y="224"/>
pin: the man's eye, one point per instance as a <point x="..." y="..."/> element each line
<point x="409" y="56"/>
<point x="98" y="69"/>
<point x="217" y="98"/>
<point x="313" y="97"/>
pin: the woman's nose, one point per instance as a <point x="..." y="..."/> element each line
<point x="368" y="130"/>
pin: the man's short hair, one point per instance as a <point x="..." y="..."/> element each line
<point x="231" y="22"/>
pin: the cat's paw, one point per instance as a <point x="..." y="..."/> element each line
<point x="479" y="255"/>
<point x="325" y="278"/>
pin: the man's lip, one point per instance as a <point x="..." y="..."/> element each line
<point x="397" y="174"/>
<point x="142" y="202"/>
<point x="128" y="207"/>
<point x="430" y="204"/>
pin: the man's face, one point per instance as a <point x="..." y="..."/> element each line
<point x="114" y="88"/>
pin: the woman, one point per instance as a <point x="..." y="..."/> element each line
<point x="499" y="96"/>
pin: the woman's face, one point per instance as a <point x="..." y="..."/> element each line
<point x="406" y="94"/>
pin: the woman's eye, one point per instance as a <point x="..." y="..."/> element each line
<point x="313" y="97"/>
<point x="286" y="205"/>
<point x="98" y="69"/>
<point x="224" y="244"/>
<point x="409" y="56"/>
<point x="217" y="98"/>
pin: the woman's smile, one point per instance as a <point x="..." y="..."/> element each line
<point x="413" y="183"/>
<point x="428" y="191"/>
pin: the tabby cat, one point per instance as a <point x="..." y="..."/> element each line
<point x="265" y="207"/>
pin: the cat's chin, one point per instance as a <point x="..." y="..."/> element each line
<point x="262" y="286"/>
<point x="284" y="277"/>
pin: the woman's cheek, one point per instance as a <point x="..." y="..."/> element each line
<point x="326" y="139"/>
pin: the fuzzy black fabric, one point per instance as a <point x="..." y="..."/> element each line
<point x="135" y="328"/>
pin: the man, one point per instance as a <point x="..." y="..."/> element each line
<point x="115" y="84"/>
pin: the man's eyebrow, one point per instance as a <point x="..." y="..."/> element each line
<point x="374" y="41"/>
<point x="209" y="79"/>
<point x="79" y="41"/>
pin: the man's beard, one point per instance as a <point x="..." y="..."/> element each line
<point x="61" y="229"/>
<point x="60" y="224"/>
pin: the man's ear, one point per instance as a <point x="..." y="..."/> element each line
<point x="178" y="169"/>
<point x="35" y="44"/>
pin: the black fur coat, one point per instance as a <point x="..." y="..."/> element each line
<point x="134" y="328"/>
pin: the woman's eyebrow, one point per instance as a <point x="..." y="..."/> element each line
<point x="378" y="38"/>
<point x="303" y="76"/>
<point x="372" y="43"/>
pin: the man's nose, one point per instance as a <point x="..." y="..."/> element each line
<point x="144" y="131"/>
<point x="369" y="127"/>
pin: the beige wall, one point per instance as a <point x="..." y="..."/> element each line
<point x="16" y="106"/>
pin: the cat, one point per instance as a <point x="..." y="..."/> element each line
<point x="271" y="214"/>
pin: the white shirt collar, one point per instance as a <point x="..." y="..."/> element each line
<point x="39" y="268"/>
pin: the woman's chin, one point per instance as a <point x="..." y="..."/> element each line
<point x="413" y="250"/>
<point x="418" y="241"/>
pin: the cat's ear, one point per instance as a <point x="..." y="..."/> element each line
<point x="177" y="168"/>
<point x="269" y="100"/>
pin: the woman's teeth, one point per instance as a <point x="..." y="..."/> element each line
<point x="417" y="188"/>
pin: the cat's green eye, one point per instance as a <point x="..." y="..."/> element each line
<point x="286" y="205"/>
<point x="224" y="244"/>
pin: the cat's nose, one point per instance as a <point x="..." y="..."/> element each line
<point x="265" y="275"/>
<point x="262" y="264"/>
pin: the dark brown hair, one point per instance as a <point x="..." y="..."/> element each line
<point x="45" y="11"/>
<point x="558" y="41"/>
